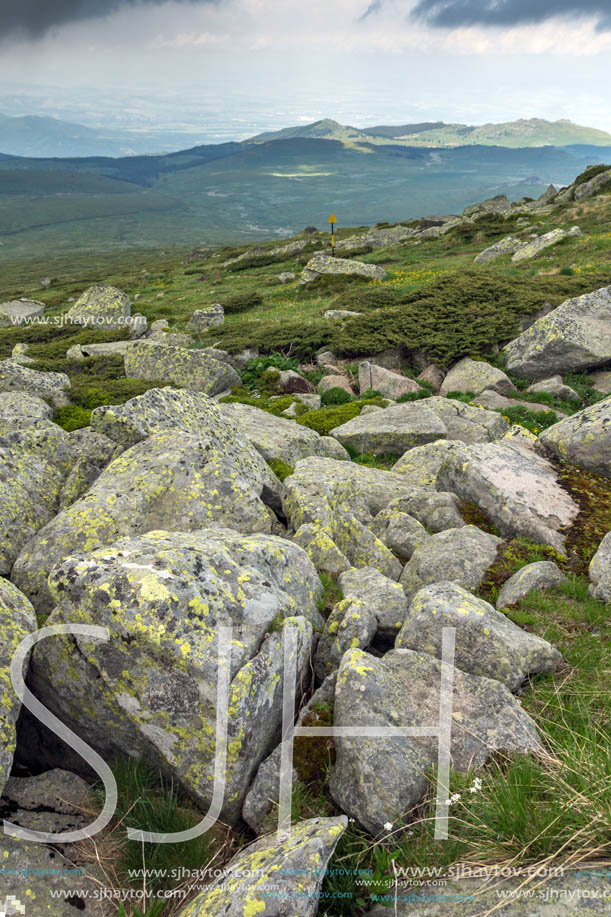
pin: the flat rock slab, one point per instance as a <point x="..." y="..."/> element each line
<point x="192" y="369"/>
<point x="536" y="246"/>
<point x="20" y="312"/>
<point x="378" y="780"/>
<point x="152" y="688"/>
<point x="574" y="336"/>
<point x="517" y="489"/>
<point x="583" y="439"/>
<point x="392" y="431"/>
<point x="506" y="246"/>
<point x="495" y="402"/>
<point x="320" y="265"/>
<point x="461" y="556"/>
<point x="533" y="577"/>
<point x="293" y="869"/>
<point x="487" y="642"/>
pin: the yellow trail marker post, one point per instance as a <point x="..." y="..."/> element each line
<point x="332" y="221"/>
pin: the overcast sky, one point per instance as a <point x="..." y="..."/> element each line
<point x="467" y="60"/>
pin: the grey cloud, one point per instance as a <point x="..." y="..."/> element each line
<point x="33" y="18"/>
<point x="453" y="13"/>
<point x="371" y="10"/>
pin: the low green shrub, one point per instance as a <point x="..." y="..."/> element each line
<point x="335" y="395"/>
<point x="72" y="417"/>
<point x="281" y="469"/>
<point x="242" y="302"/>
<point x="365" y="300"/>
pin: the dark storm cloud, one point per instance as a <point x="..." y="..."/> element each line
<point x="33" y="18"/>
<point x="453" y="13"/>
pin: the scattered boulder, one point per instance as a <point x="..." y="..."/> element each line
<point x="49" y="386"/>
<point x="80" y="351"/>
<point x="556" y="387"/>
<point x="516" y="489"/>
<point x="321" y="265"/>
<point x="19" y="410"/>
<point x="379" y="780"/>
<point x="311" y="401"/>
<point x="495" y="402"/>
<point x="91" y="453"/>
<point x="434" y="375"/>
<point x="101" y="306"/>
<point x="19" y="354"/>
<point x="400" y="532"/>
<point x="601" y="382"/>
<point x="466" y="423"/>
<point x="600" y="182"/>
<point x="600" y="571"/>
<point x="337" y="315"/>
<point x="536" y="246"/>
<point x="298" y="866"/>
<point x="498" y="204"/>
<point x="292" y="382"/>
<point x="507" y="246"/>
<point x="421" y="464"/>
<point x="475" y="376"/>
<point x="487" y="642"/>
<point x="574" y="336"/>
<point x="533" y="577"/>
<point x="389" y="384"/>
<point x="436" y="511"/>
<point x="393" y="431"/>
<point x="152" y="688"/>
<point x="461" y="556"/>
<point x="192" y="369"/>
<point x="18" y="619"/>
<point x="583" y="439"/>
<point x="286" y="277"/>
<point x="20" y="312"/>
<point x="352" y="623"/>
<point x="203" y="319"/>
<point x="276" y="438"/>
<point x="334" y="381"/>
<point x="383" y="597"/>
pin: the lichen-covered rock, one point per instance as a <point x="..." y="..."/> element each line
<point x="436" y="511"/>
<point x="210" y="317"/>
<point x="192" y="369"/>
<point x="516" y="489"/>
<point x="80" y="351"/>
<point x="20" y="312"/>
<point x="351" y="624"/>
<point x="520" y="437"/>
<point x="601" y="382"/>
<point x="400" y="532"/>
<point x="151" y="691"/>
<point x="321" y="264"/>
<point x="279" y="438"/>
<point x="175" y="481"/>
<point x="19" y="410"/>
<point x="475" y="376"/>
<point x="317" y="542"/>
<point x="583" y="439"/>
<point x="457" y="555"/>
<point x="432" y="374"/>
<point x="33" y="465"/>
<point x="465" y="422"/>
<point x="388" y="383"/>
<point x="392" y="431"/>
<point x="17" y="619"/>
<point x="380" y="595"/>
<point x="334" y="381"/>
<point x="542" y="575"/>
<point x="600" y="182"/>
<point x="101" y="306"/>
<point x="336" y="315"/>
<point x="14" y="377"/>
<point x="495" y="402"/>
<point x="600" y="571"/>
<point x="556" y="387"/>
<point x="574" y="336"/>
<point x="506" y="246"/>
<point x="379" y="780"/>
<point x="421" y="464"/>
<point x="487" y="642"/>
<point x="536" y="246"/>
<point x="283" y="879"/>
<point x="91" y="452"/>
<point x="53" y="801"/>
<point x="260" y="805"/>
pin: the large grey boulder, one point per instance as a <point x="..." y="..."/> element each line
<point x="202" y="319"/>
<point x="192" y="369"/>
<point x="460" y="556"/>
<point x="19" y="410"/>
<point x="101" y="306"/>
<point x="174" y="481"/>
<point x="292" y="869"/>
<point x="14" y="377"/>
<point x="435" y="511"/>
<point x="392" y="431"/>
<point x="382" y="596"/>
<point x="487" y="642"/>
<point x="278" y="438"/>
<point x="517" y="489"/>
<point x="17" y="620"/>
<point x="533" y="577"/>
<point x="506" y="246"/>
<point x="400" y="532"/>
<point x="583" y="439"/>
<point x="536" y="246"/>
<point x="465" y="422"/>
<point x="112" y="348"/>
<point x="379" y="780"/>
<point x="556" y="387"/>
<point x="600" y="182"/>
<point x="389" y="384"/>
<point x="421" y="464"/>
<point x="500" y="203"/>
<point x="20" y="312"/>
<point x="321" y="265"/>
<point x="574" y="336"/>
<point x="475" y="376"/>
<point x="600" y="571"/>
<point x="91" y="453"/>
<point x="352" y="623"/>
<point x="151" y="690"/>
